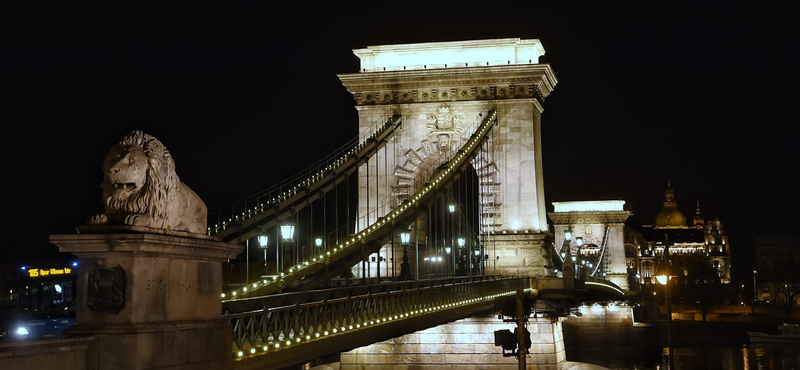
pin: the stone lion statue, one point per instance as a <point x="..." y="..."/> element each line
<point x="141" y="188"/>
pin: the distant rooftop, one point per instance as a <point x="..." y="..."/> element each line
<point x="589" y="206"/>
<point x="452" y="54"/>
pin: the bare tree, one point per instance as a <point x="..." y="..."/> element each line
<point x="783" y="281"/>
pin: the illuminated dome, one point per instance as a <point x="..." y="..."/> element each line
<point x="670" y="216"/>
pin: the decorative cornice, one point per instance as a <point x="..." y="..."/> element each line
<point x="146" y="244"/>
<point x="452" y="84"/>
<point x="563" y="218"/>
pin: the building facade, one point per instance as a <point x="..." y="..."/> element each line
<point x="690" y="247"/>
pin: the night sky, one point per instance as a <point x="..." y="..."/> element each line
<point x="246" y="95"/>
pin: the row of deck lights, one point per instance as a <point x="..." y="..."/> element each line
<point x="282" y="345"/>
<point x="375" y="226"/>
<point x="313" y="179"/>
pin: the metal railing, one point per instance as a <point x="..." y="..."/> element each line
<point x="379" y="229"/>
<point x="253" y="204"/>
<point x="477" y="63"/>
<point x="271" y="329"/>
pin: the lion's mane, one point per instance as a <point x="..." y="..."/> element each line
<point x="162" y="197"/>
<point x="159" y="188"/>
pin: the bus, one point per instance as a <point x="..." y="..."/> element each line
<point x="46" y="302"/>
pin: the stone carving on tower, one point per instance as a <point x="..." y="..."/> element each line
<point x="443" y="126"/>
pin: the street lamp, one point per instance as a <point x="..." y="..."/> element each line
<point x="478" y="261"/>
<point x="263" y="242"/>
<point x="287" y="235"/>
<point x="663" y="276"/>
<point x="755" y="293"/>
<point x="744" y="306"/>
<point x="287" y="232"/>
<point x="405" y="237"/>
<point x="452" y="260"/>
<point x="405" y="269"/>
<point x="565" y="246"/>
<point x="461" y="242"/>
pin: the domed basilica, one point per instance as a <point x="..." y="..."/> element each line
<point x="703" y="243"/>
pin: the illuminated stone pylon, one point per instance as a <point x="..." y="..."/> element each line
<point x="443" y="90"/>
<point x="600" y="224"/>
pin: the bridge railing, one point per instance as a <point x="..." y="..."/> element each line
<point x="272" y="329"/>
<point x="239" y="209"/>
<point x="380" y="230"/>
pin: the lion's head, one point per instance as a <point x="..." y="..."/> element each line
<point x="141" y="188"/>
<point x="139" y="178"/>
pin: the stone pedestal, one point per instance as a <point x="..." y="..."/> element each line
<point x="150" y="299"/>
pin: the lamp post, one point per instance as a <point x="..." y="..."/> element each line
<point x="452" y="209"/>
<point x="663" y="279"/>
<point x="755" y="292"/>
<point x="744" y="306"/>
<point x="565" y="250"/>
<point x="566" y="253"/>
<point x="582" y="263"/>
<point x="263" y="242"/>
<point x="477" y="261"/>
<point x="287" y="236"/>
<point x="461" y="242"/>
<point x="405" y="269"/>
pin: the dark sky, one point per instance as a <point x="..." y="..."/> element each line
<point x="244" y="95"/>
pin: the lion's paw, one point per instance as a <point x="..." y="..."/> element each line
<point x="98" y="219"/>
<point x="138" y="219"/>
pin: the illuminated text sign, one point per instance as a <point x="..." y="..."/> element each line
<point x="49" y="272"/>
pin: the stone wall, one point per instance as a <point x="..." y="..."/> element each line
<point x="601" y="326"/>
<point x="466" y="344"/>
<point x="62" y="354"/>
<point x="519" y="255"/>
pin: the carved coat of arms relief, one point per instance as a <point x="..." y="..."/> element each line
<point x="444" y="127"/>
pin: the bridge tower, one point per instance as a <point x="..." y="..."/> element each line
<point x="600" y="226"/>
<point x="441" y="90"/>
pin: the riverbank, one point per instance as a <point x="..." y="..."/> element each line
<point x="696" y="345"/>
<point x="723" y="324"/>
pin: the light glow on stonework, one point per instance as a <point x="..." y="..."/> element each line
<point x="449" y="54"/>
<point x="589" y="206"/>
